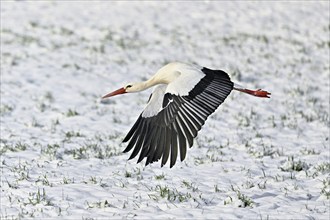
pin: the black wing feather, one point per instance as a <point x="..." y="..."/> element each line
<point x="133" y="129"/>
<point x="140" y="140"/>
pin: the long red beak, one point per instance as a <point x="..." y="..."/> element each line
<point x="117" y="92"/>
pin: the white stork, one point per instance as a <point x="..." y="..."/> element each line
<point x="183" y="97"/>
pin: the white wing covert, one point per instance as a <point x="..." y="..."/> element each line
<point x="155" y="101"/>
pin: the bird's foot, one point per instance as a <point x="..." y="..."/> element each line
<point x="261" y="93"/>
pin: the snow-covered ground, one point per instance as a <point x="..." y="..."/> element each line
<point x="61" y="151"/>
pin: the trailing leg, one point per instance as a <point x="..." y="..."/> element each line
<point x="258" y="93"/>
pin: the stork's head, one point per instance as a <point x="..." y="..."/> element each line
<point x="130" y="87"/>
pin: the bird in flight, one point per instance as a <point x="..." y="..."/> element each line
<point x="183" y="97"/>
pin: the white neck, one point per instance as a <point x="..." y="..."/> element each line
<point x="165" y="75"/>
<point x="141" y="86"/>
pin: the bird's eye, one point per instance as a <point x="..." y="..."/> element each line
<point x="128" y="86"/>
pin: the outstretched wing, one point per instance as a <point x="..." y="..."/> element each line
<point x="171" y="121"/>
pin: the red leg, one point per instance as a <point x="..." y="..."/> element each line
<point x="259" y="93"/>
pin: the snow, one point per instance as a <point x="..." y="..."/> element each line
<point x="61" y="151"/>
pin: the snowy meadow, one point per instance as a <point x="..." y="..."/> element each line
<point x="61" y="151"/>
